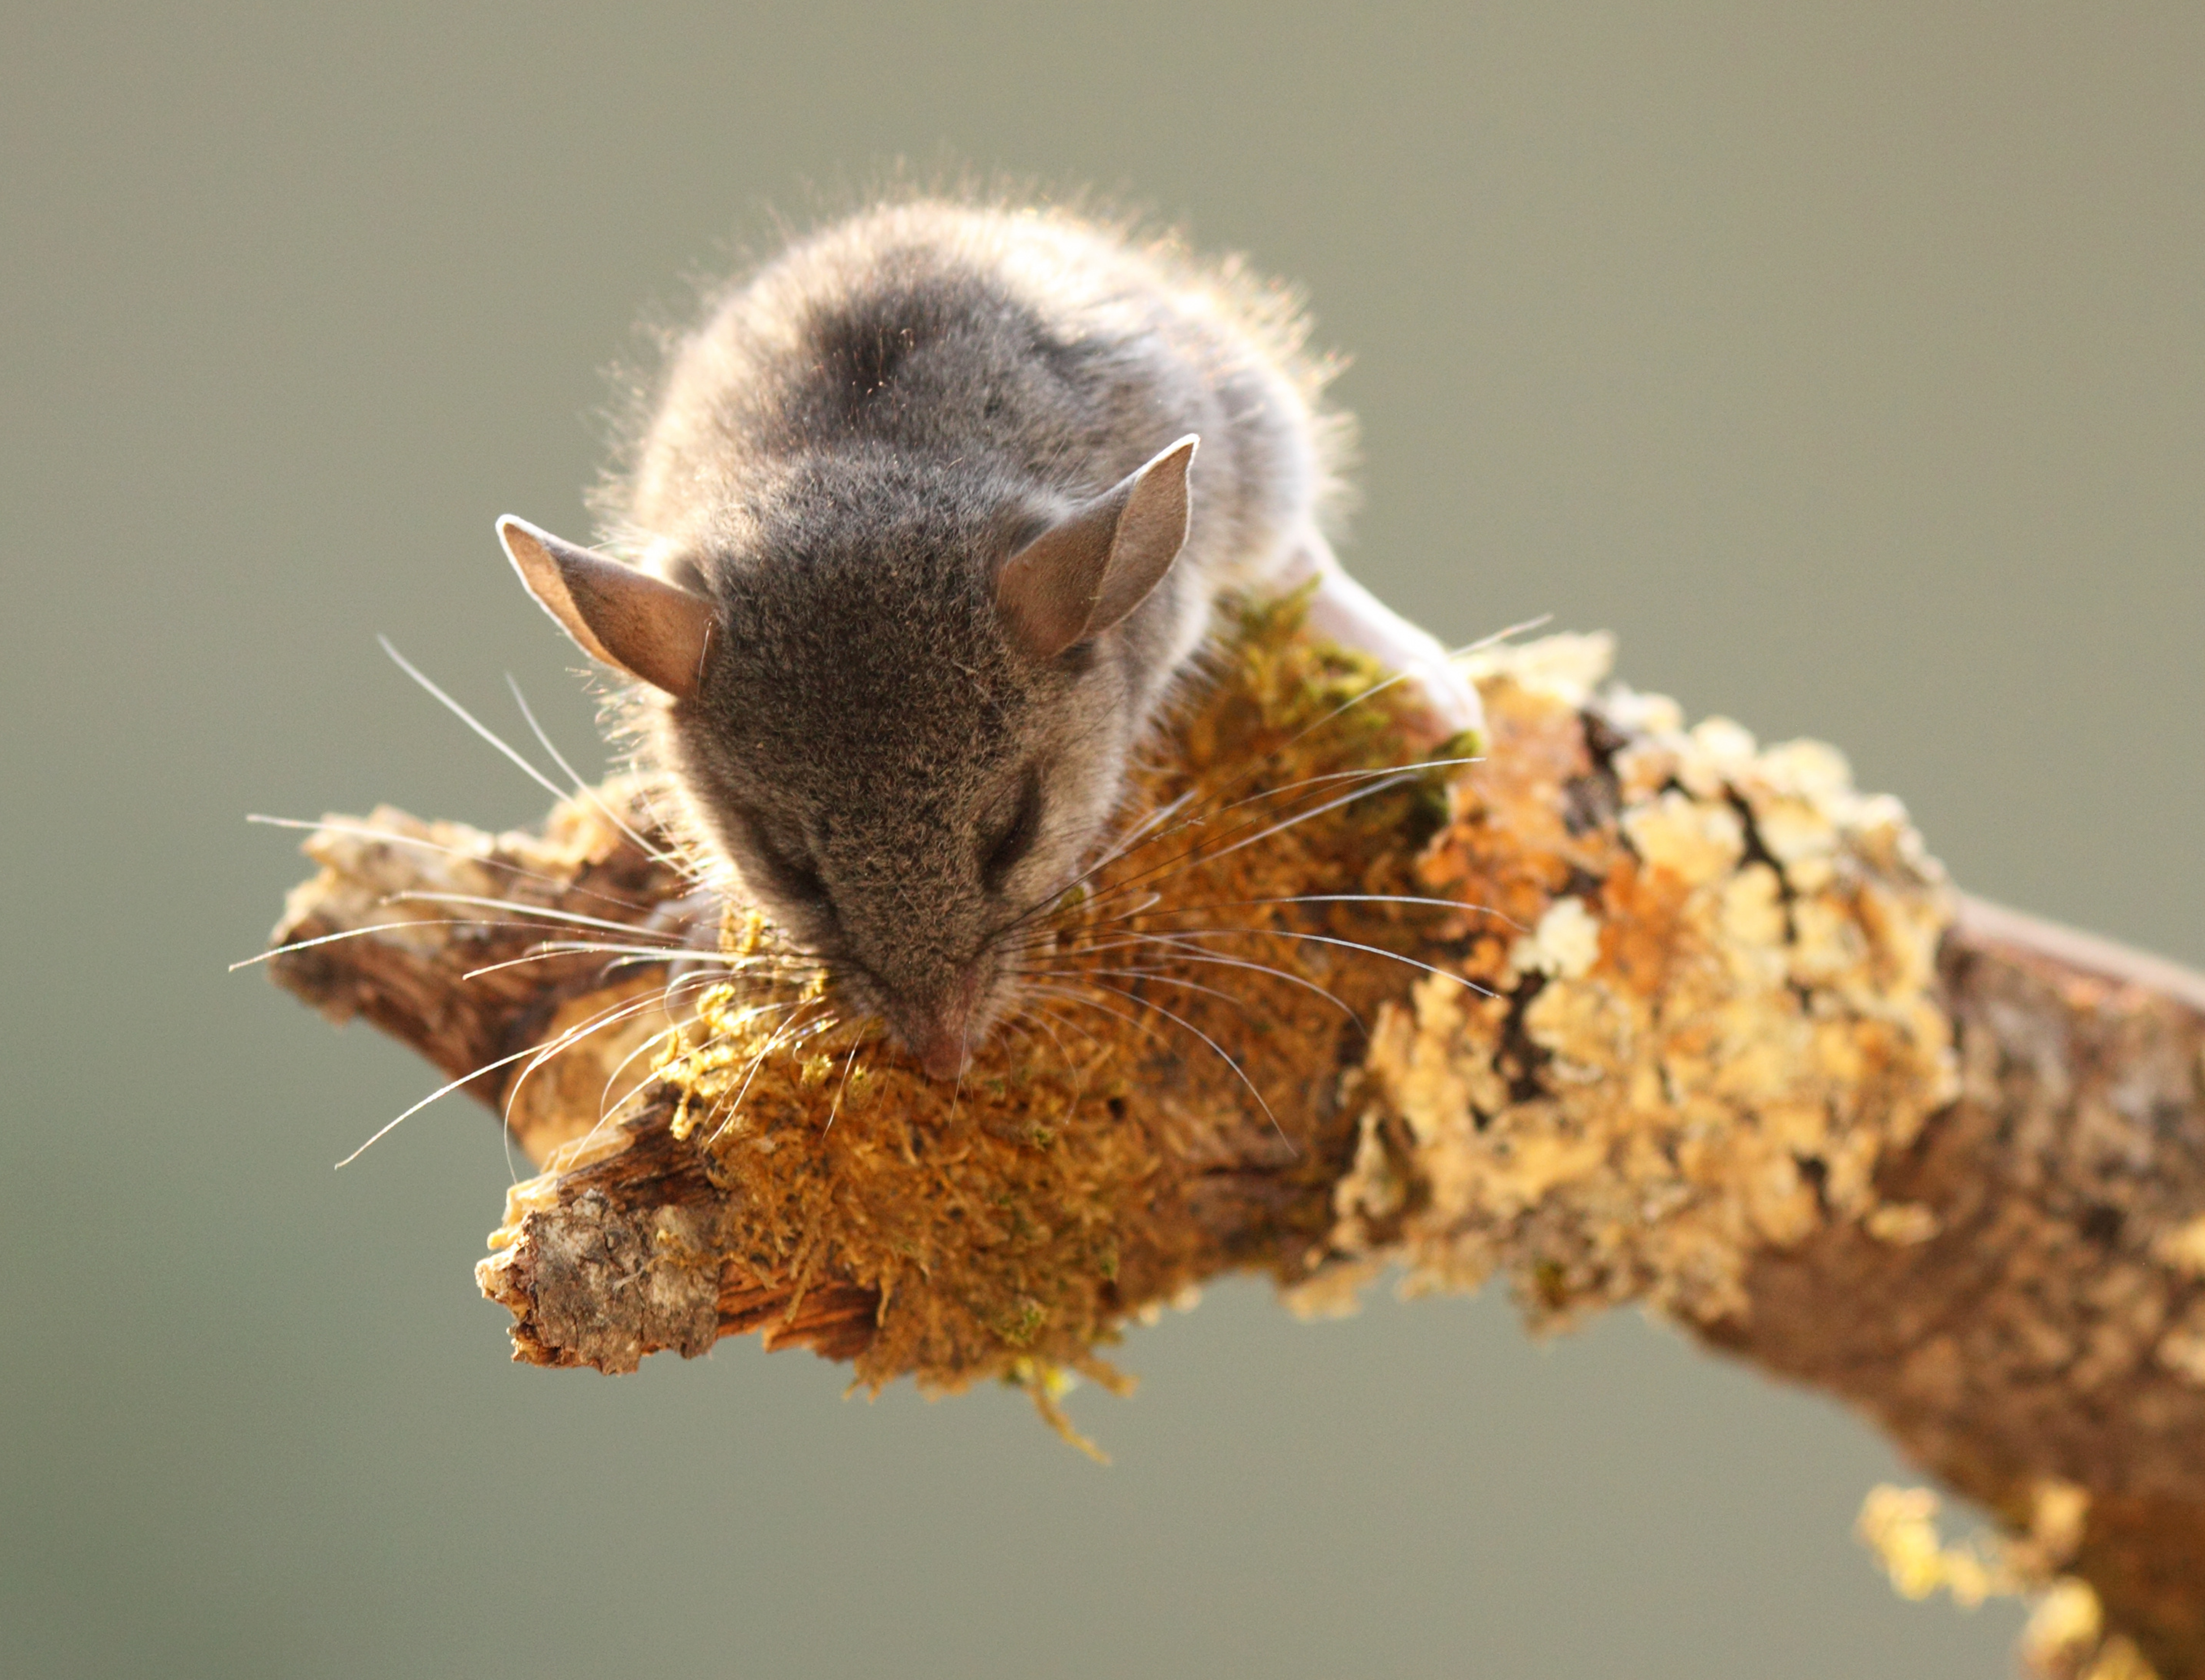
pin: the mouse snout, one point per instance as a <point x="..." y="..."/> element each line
<point x="939" y="1032"/>
<point x="942" y="1051"/>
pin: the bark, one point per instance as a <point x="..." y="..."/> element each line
<point x="1745" y="1057"/>
<point x="2052" y="1329"/>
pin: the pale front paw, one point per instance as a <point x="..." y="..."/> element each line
<point x="1451" y="697"/>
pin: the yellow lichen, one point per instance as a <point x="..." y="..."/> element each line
<point x="2183" y="1249"/>
<point x="1899" y="1525"/>
<point x="1722" y="1014"/>
<point x="2181" y="1346"/>
<point x="2064" y="1638"/>
<point x="1902" y="1224"/>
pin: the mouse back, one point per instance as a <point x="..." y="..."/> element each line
<point x="925" y="542"/>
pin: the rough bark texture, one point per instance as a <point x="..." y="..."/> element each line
<point x="2052" y="1329"/>
<point x="1746" y="1059"/>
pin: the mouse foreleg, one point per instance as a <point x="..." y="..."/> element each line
<point x="1351" y="615"/>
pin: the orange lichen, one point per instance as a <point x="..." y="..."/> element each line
<point x="1718" y="1012"/>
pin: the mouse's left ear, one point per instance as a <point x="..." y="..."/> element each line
<point x="1087" y="572"/>
<point x="652" y="631"/>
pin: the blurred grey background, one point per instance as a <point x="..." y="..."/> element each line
<point x="1849" y="361"/>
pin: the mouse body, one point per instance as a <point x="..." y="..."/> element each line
<point x="927" y="521"/>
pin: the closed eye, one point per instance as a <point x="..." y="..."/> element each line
<point x="1016" y="840"/>
<point x="796" y="880"/>
<point x="793" y="875"/>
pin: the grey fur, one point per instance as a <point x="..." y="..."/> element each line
<point x="841" y="460"/>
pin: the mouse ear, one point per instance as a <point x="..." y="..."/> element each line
<point x="652" y="631"/>
<point x="1087" y="572"/>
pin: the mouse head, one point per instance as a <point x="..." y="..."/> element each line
<point x="901" y="713"/>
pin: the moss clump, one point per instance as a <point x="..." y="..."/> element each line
<point x="1008" y="1225"/>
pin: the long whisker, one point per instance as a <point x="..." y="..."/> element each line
<point x="780" y="1038"/>
<point x="1219" y="803"/>
<point x="1056" y="895"/>
<point x="1307" y="782"/>
<point x="445" y="1090"/>
<point x="472" y="721"/>
<point x="1198" y="855"/>
<point x="1300" y="818"/>
<point x="1184" y="952"/>
<point x="1327" y="939"/>
<point x="840" y="1085"/>
<point x="1048" y="937"/>
<point x="704" y="870"/>
<point x="1494" y="639"/>
<point x="1357" y="898"/>
<point x="1072" y="995"/>
<point x="606" y="1111"/>
<point x="1047" y="1013"/>
<point x="1201" y="818"/>
<point x="1024" y="1012"/>
<point x="551" y="950"/>
<point x="632" y="956"/>
<point x="1231" y="1061"/>
<point x="1381" y="687"/>
<point x="584" y="789"/>
<point x="1310" y="728"/>
<point x="632" y="930"/>
<point x="1162" y="976"/>
<point x="1163" y="813"/>
<point x="1149" y="1003"/>
<point x="748" y="1012"/>
<point x="285" y="950"/>
<point x="1477" y="646"/>
<point x="1133" y="836"/>
<point x="610" y="1015"/>
<point x="1317" y="897"/>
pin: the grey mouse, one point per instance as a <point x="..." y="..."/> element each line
<point x="926" y="524"/>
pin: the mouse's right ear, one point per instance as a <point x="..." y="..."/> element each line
<point x="1089" y="570"/>
<point x="652" y="631"/>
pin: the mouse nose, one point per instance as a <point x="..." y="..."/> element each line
<point x="943" y="1054"/>
<point x="941" y="1036"/>
<point x="938" y="1039"/>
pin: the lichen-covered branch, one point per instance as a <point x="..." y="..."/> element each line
<point x="1624" y="1011"/>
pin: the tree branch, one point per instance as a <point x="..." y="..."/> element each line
<point x="1708" y="1031"/>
